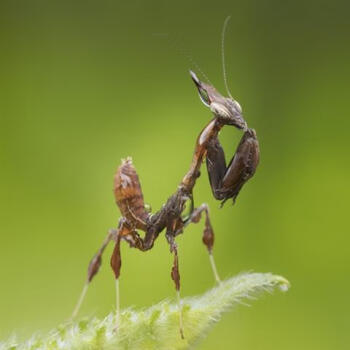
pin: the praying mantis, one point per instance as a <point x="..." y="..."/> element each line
<point x="226" y="181"/>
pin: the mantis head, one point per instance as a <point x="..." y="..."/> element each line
<point x="225" y="109"/>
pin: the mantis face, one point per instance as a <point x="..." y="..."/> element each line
<point x="225" y="109"/>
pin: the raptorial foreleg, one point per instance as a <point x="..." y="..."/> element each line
<point x="227" y="181"/>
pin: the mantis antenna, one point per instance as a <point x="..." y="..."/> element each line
<point x="176" y="44"/>
<point x="223" y="54"/>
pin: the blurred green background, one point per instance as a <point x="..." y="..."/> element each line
<point x="84" y="84"/>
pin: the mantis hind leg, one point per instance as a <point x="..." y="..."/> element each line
<point x="227" y="181"/>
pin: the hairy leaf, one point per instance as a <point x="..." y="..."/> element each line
<point x="158" y="326"/>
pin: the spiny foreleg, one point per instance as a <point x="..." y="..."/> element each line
<point x="227" y="181"/>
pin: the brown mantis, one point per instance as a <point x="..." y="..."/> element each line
<point x="226" y="182"/>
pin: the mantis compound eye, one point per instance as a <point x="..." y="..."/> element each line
<point x="204" y="96"/>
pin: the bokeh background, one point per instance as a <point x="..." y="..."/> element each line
<point x="85" y="83"/>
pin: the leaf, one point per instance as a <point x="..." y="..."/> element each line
<point x="158" y="326"/>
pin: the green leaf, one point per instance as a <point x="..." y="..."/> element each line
<point x="158" y="326"/>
